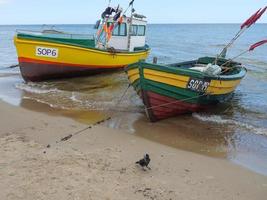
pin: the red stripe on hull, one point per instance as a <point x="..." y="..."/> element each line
<point x="35" y="72"/>
<point x="161" y="107"/>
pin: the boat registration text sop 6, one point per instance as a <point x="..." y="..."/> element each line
<point x="47" y="52"/>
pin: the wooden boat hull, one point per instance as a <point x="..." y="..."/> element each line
<point x="165" y="93"/>
<point x="42" y="60"/>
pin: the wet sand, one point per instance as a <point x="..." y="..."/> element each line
<point x="99" y="164"/>
<point x="219" y="134"/>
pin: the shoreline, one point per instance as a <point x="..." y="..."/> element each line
<point x="99" y="164"/>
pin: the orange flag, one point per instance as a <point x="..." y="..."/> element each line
<point x="120" y="20"/>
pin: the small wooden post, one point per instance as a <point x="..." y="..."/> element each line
<point x="155" y="60"/>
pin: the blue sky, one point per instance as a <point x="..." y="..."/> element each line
<point x="160" y="11"/>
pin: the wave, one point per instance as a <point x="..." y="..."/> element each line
<point x="33" y="88"/>
<point x="47" y="103"/>
<point x="96" y="100"/>
<point x="74" y="98"/>
<point x="254" y="62"/>
<point x="219" y="120"/>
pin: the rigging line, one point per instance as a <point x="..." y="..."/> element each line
<point x="238" y="34"/>
<point x="232" y="59"/>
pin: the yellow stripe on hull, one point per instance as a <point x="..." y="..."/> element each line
<point x="167" y="78"/>
<point x="74" y="55"/>
<point x="133" y="75"/>
<point x="217" y="87"/>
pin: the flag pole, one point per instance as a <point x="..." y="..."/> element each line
<point x="248" y="23"/>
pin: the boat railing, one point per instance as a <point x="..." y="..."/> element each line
<point x="55" y="34"/>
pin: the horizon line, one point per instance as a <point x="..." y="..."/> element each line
<point x="191" y="23"/>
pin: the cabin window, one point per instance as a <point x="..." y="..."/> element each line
<point x="119" y="30"/>
<point x="116" y="31"/>
<point x="141" y="30"/>
<point x="138" y="30"/>
<point x="134" y="29"/>
<point x="122" y="29"/>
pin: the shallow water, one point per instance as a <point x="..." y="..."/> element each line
<point x="236" y="130"/>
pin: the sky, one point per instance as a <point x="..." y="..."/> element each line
<point x="157" y="11"/>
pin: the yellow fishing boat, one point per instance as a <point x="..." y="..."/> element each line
<point x="119" y="41"/>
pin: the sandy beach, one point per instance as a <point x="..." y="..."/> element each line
<point x="99" y="164"/>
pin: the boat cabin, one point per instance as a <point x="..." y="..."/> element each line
<point x="130" y="35"/>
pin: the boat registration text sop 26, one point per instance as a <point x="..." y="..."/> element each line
<point x="47" y="52"/>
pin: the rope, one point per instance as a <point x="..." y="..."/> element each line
<point x="234" y="58"/>
<point x="125" y="92"/>
<point x="10" y="67"/>
<point x="112" y="51"/>
<point x="68" y="137"/>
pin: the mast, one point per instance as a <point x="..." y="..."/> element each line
<point x="130" y="25"/>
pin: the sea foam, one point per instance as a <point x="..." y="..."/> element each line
<point x="220" y="120"/>
<point x="34" y="88"/>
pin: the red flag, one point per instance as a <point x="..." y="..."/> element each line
<point x="252" y="47"/>
<point x="258" y="16"/>
<point x="112" y="26"/>
<point x="249" y="20"/>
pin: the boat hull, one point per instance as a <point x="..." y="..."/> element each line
<point x="160" y="107"/>
<point x="69" y="60"/>
<point x="36" y="70"/>
<point x="165" y="91"/>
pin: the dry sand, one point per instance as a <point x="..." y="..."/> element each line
<point x="99" y="164"/>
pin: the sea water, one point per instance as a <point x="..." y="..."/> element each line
<point x="236" y="130"/>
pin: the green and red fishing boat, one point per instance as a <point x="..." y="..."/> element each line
<point x="171" y="90"/>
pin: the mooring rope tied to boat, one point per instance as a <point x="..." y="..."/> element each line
<point x="10" y="67"/>
<point x="173" y="102"/>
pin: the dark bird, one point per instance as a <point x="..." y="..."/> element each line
<point x="144" y="162"/>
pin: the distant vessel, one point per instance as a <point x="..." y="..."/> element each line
<point x="171" y="90"/>
<point x="51" y="54"/>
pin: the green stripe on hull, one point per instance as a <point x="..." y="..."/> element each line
<point x="178" y="93"/>
<point x="173" y="92"/>
<point x="67" y="41"/>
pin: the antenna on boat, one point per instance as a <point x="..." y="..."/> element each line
<point x="247" y="24"/>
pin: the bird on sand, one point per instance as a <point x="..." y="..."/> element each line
<point x="144" y="162"/>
